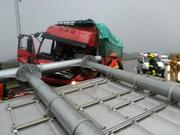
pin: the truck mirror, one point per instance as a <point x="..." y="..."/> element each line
<point x="30" y="44"/>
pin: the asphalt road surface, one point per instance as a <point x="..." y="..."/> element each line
<point x="130" y="66"/>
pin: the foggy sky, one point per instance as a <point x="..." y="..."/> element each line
<point x="142" y="25"/>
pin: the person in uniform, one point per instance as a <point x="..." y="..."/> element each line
<point x="114" y="62"/>
<point x="152" y="64"/>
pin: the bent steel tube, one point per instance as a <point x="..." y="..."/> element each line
<point x="46" y="67"/>
<point x="6" y="73"/>
<point x="171" y="91"/>
<point x="74" y="122"/>
<point x="63" y="64"/>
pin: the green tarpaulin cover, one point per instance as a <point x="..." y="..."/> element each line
<point x="108" y="42"/>
<point x="105" y="33"/>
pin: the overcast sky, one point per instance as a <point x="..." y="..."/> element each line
<point x="142" y="25"/>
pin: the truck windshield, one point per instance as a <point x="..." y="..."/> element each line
<point x="46" y="47"/>
<point x="157" y="59"/>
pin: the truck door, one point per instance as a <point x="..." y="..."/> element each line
<point x="26" y="50"/>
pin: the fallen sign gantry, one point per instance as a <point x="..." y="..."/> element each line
<point x="46" y="67"/>
<point x="105" y="121"/>
<point x="72" y="121"/>
<point x="172" y="91"/>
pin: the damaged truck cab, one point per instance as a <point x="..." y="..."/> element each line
<point x="66" y="40"/>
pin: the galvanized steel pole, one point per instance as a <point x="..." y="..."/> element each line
<point x="18" y="23"/>
<point x="171" y="91"/>
<point x="74" y="122"/>
<point x="6" y="73"/>
<point x="46" y="67"/>
<point x="63" y="64"/>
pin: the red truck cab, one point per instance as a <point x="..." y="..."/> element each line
<point x="65" y="41"/>
<point x="61" y="42"/>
